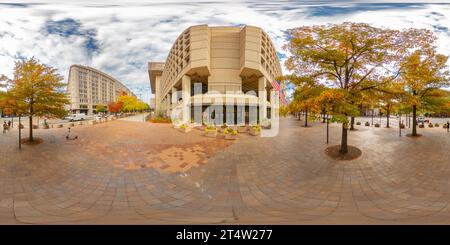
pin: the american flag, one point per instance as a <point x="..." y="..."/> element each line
<point x="277" y="85"/>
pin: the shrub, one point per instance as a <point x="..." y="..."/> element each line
<point x="367" y="124"/>
<point x="377" y="125"/>
<point x="430" y="125"/>
<point x="436" y="124"/>
<point x="161" y="120"/>
<point x="358" y="123"/>
<point x="184" y="126"/>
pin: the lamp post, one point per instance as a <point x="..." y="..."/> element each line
<point x="20" y="133"/>
<point x="448" y="126"/>
<point x="328" y="128"/>
<point x="399" y="128"/>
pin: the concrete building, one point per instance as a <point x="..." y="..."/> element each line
<point x="207" y="66"/>
<point x="88" y="87"/>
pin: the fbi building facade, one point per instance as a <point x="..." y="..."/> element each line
<point x="217" y="75"/>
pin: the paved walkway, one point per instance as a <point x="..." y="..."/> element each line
<point x="129" y="172"/>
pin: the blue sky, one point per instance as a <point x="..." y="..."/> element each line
<point x="120" y="37"/>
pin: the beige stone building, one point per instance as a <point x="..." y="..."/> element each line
<point x="88" y="87"/>
<point x="209" y="66"/>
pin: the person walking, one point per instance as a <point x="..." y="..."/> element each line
<point x="9" y="124"/>
<point x="5" y="127"/>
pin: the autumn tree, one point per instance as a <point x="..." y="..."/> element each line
<point x="348" y="56"/>
<point x="36" y="90"/>
<point x="305" y="94"/>
<point x="115" y="107"/>
<point x="389" y="96"/>
<point x="130" y="103"/>
<point x="424" y="72"/>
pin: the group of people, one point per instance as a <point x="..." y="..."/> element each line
<point x="6" y="126"/>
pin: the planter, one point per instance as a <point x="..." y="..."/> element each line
<point x="367" y="124"/>
<point x="377" y="125"/>
<point x="421" y="126"/>
<point x="266" y="125"/>
<point x="255" y="132"/>
<point x="35" y="126"/>
<point x="46" y="126"/>
<point x="402" y="125"/>
<point x="72" y="125"/>
<point x="21" y="126"/>
<point x="242" y="129"/>
<point x="358" y="123"/>
<point x="430" y="125"/>
<point x="445" y="125"/>
<point x="212" y="133"/>
<point x="231" y="136"/>
<point x="185" y="129"/>
<point x="60" y="126"/>
<point x="436" y="124"/>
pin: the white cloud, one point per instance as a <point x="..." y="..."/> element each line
<point x="131" y="33"/>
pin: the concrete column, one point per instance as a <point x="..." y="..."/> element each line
<point x="262" y="99"/>
<point x="273" y="105"/>
<point x="186" y="95"/>
<point x="174" y="96"/>
<point x="157" y="93"/>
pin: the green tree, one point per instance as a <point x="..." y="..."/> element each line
<point x="348" y="56"/>
<point x="35" y="90"/>
<point x="100" y="108"/>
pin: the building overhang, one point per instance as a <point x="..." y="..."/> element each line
<point x="154" y="69"/>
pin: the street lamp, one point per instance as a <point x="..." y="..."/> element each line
<point x="20" y="132"/>
<point x="328" y="128"/>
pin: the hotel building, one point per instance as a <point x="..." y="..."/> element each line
<point x="225" y="73"/>
<point x="88" y="87"/>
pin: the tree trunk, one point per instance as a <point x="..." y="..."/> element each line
<point x="372" y="116"/>
<point x="414" y="122"/>
<point x="388" y="114"/>
<point x="323" y="116"/>
<point x="31" y="128"/>
<point x="344" y="148"/>
<point x="352" y="123"/>
<point x="306" y="117"/>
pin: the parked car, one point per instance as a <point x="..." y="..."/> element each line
<point x="421" y="120"/>
<point x="76" y="117"/>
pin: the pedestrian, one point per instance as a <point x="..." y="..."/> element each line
<point x="9" y="124"/>
<point x="5" y="127"/>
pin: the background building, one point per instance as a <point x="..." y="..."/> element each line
<point x="88" y="87"/>
<point x="235" y="65"/>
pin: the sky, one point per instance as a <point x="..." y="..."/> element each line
<point x="121" y="37"/>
